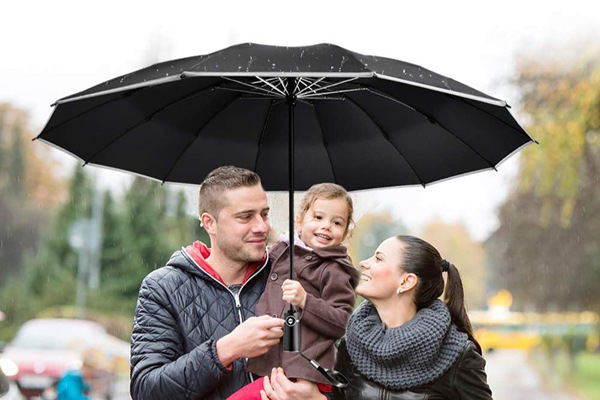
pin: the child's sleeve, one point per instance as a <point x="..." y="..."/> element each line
<point x="329" y="313"/>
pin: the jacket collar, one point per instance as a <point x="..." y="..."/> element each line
<point x="199" y="252"/>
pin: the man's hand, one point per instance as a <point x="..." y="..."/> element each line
<point x="294" y="293"/>
<point x="251" y="338"/>
<point x="279" y="387"/>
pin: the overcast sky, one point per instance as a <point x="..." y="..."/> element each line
<point x="50" y="49"/>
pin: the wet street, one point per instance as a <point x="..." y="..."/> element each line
<point x="509" y="375"/>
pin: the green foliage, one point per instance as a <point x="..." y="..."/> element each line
<point x="546" y="250"/>
<point x="139" y="235"/>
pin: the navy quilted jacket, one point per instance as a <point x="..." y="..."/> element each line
<point x="181" y="312"/>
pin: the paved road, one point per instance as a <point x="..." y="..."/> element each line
<point x="509" y="375"/>
<point x="512" y="378"/>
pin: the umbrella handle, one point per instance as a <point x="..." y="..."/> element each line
<point x="291" y="331"/>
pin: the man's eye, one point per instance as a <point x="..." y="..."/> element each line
<point x="245" y="217"/>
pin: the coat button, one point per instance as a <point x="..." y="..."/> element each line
<point x="308" y="258"/>
<point x="274" y="276"/>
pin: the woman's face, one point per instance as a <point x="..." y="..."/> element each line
<point x="381" y="274"/>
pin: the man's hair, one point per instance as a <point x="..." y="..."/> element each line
<point x="210" y="195"/>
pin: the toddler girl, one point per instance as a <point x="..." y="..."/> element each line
<point x="322" y="292"/>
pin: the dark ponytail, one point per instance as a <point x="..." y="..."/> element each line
<point x="454" y="297"/>
<point x="423" y="260"/>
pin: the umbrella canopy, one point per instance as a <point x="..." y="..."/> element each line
<point x="360" y="121"/>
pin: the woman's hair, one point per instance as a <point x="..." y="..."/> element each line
<point x="328" y="191"/>
<point x="423" y="260"/>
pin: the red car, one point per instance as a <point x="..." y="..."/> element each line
<point x="44" y="349"/>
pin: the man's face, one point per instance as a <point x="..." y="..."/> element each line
<point x="243" y="224"/>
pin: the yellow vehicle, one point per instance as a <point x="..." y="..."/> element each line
<point x="514" y="330"/>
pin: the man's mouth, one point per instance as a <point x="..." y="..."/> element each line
<point x="257" y="241"/>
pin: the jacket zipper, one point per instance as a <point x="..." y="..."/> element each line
<point x="236" y="297"/>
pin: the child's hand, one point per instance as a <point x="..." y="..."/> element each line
<point x="294" y="293"/>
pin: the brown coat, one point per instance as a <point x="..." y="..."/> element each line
<point x="329" y="279"/>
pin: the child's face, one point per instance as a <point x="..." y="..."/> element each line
<point x="324" y="223"/>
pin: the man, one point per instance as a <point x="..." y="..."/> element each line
<point x="194" y="324"/>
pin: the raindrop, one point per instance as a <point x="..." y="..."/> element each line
<point x="167" y="74"/>
<point x="273" y="64"/>
<point x="404" y="71"/>
<point x="156" y="69"/>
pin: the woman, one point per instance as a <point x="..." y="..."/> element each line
<point x="404" y="343"/>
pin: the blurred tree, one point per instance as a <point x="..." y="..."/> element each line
<point x="370" y="231"/>
<point x="546" y="250"/>
<point x="22" y="215"/>
<point x="456" y="245"/>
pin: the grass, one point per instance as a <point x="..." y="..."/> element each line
<point x="587" y="375"/>
<point x="584" y="380"/>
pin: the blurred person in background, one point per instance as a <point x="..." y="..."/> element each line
<point x="75" y="384"/>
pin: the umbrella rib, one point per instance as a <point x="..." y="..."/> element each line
<point x="325" y="142"/>
<point x="151" y="116"/>
<point x="249" y="85"/>
<point x="456" y="98"/>
<point x="386" y="136"/>
<point x="268" y="96"/>
<point x="309" y="86"/>
<point x="197" y="134"/>
<point x="325" y="88"/>
<point x="275" y="88"/>
<point x="262" y="134"/>
<point x="432" y="121"/>
<point x="308" y="96"/>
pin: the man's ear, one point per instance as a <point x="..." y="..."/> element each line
<point x="209" y="223"/>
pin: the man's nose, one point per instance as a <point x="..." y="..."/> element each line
<point x="260" y="225"/>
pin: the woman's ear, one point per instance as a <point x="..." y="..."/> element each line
<point x="408" y="282"/>
<point x="209" y="223"/>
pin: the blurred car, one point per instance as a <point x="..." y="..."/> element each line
<point x="8" y="390"/>
<point x="44" y="349"/>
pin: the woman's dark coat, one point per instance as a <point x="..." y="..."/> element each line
<point x="465" y="380"/>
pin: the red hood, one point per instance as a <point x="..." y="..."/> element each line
<point x="199" y="253"/>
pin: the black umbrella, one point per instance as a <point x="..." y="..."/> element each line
<point x="320" y="113"/>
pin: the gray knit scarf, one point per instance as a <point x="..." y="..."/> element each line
<point x="411" y="355"/>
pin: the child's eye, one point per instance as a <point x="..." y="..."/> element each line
<point x="338" y="223"/>
<point x="378" y="259"/>
<point x="318" y="217"/>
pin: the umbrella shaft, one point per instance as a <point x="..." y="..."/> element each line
<point x="291" y="105"/>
